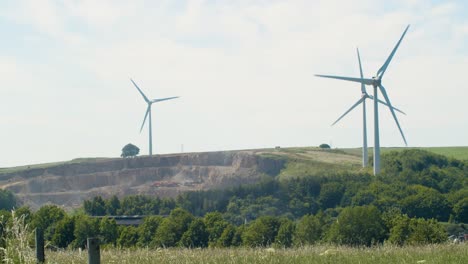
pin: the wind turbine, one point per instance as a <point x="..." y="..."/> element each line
<point x="362" y="100"/>
<point x="376" y="82"/>
<point x="148" y="112"/>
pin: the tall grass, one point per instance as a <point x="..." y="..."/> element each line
<point x="446" y="253"/>
<point x="15" y="240"/>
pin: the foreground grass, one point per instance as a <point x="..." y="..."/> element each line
<point x="447" y="253"/>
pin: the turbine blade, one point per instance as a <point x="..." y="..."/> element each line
<point x="146" y="115"/>
<point x="349" y="110"/>
<point x="382" y="69"/>
<point x="164" y="99"/>
<point x="351" y="79"/>
<point x="363" y="88"/>
<point x="384" y="103"/>
<point x="384" y="93"/>
<point x="139" y="90"/>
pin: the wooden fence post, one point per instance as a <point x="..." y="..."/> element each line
<point x="40" y="256"/>
<point x="94" y="254"/>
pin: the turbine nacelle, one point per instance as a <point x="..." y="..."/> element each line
<point x="376" y="81"/>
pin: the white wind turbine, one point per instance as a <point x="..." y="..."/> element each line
<point x="362" y="100"/>
<point x="148" y="112"/>
<point x="376" y="82"/>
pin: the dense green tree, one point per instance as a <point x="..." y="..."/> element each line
<point x="172" y="228"/>
<point x="284" y="238"/>
<point x="85" y="227"/>
<point x="261" y="232"/>
<point x="26" y="211"/>
<point x="460" y="210"/>
<point x="147" y="230"/>
<point x="426" y="232"/>
<point x="426" y="203"/>
<point x="310" y="229"/>
<point x="95" y="207"/>
<point x="215" y="225"/>
<point x="400" y="230"/>
<point x="112" y="205"/>
<point x="196" y="235"/>
<point x="128" y="236"/>
<point x="331" y="194"/>
<point x="7" y="200"/>
<point x="64" y="232"/>
<point x="414" y="231"/>
<point x="358" y="226"/>
<point x="108" y="231"/>
<point x="227" y="236"/>
<point x="46" y="218"/>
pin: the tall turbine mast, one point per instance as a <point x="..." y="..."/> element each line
<point x="376" y="82"/>
<point x="362" y="100"/>
<point x="148" y="113"/>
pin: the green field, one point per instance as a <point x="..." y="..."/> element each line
<point x="460" y="153"/>
<point x="446" y="253"/>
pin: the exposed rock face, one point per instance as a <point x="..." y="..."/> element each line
<point x="164" y="175"/>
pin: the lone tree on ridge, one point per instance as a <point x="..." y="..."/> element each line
<point x="130" y="150"/>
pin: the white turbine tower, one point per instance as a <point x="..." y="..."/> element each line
<point x="376" y="82"/>
<point x="362" y="100"/>
<point x="148" y="112"/>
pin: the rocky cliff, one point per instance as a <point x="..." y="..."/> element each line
<point x="70" y="183"/>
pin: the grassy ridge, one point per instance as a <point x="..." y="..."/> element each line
<point x="446" y="253"/>
<point x="342" y="159"/>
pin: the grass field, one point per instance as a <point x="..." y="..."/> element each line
<point x="460" y="153"/>
<point x="447" y="253"/>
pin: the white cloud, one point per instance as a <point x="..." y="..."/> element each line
<point x="244" y="70"/>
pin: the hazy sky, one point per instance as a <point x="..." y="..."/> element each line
<point x="244" y="71"/>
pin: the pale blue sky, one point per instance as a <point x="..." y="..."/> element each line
<point x="244" y="71"/>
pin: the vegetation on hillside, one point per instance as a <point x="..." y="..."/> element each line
<point x="405" y="205"/>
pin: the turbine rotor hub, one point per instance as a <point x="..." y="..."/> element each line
<point x="376" y="81"/>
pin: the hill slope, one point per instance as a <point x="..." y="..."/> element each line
<point x="69" y="183"/>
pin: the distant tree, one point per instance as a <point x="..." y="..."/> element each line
<point x="358" y="226"/>
<point x="96" y="206"/>
<point x="7" y="200"/>
<point x="461" y="210"/>
<point x="85" y="227"/>
<point x="324" y="146"/>
<point x="196" y="235"/>
<point x="415" y="231"/>
<point x="215" y="225"/>
<point x="112" y="205"/>
<point x="63" y="234"/>
<point x="108" y="231"/>
<point x="284" y="238"/>
<point x="261" y="232"/>
<point x="128" y="236"/>
<point x="310" y="229"/>
<point x="26" y="211"/>
<point x="331" y="194"/>
<point x="147" y="229"/>
<point x="426" y="203"/>
<point x="227" y="237"/>
<point x="46" y="218"/>
<point x="130" y="150"/>
<point x="172" y="228"/>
